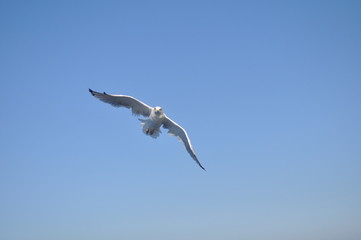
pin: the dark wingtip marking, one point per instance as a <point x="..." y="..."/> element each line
<point x="105" y="93"/>
<point x="91" y="91"/>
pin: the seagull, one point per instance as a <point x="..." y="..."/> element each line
<point x="155" y="118"/>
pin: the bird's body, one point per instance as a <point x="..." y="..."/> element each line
<point x="151" y="126"/>
<point x="155" y="118"/>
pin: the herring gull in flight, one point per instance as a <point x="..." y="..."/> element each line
<point x="155" y="118"/>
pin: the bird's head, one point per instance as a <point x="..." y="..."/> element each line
<point x="158" y="110"/>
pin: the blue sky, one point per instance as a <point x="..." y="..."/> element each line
<point x="269" y="92"/>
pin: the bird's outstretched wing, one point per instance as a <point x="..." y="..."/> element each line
<point x="176" y="130"/>
<point x="137" y="107"/>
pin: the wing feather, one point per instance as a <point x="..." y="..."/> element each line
<point x="178" y="131"/>
<point x="137" y="107"/>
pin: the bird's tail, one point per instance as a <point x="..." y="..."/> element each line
<point x="148" y="130"/>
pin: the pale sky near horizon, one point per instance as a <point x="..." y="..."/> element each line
<point x="268" y="91"/>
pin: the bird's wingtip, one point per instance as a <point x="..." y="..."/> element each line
<point x="91" y="91"/>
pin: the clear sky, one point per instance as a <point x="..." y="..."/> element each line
<point x="268" y="91"/>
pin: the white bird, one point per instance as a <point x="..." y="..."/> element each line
<point x="155" y="118"/>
